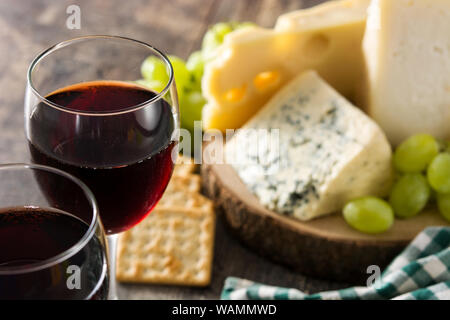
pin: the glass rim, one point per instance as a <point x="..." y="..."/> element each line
<point x="63" y="44"/>
<point x="80" y="244"/>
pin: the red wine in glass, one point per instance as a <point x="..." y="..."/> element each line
<point x="30" y="235"/>
<point x="124" y="158"/>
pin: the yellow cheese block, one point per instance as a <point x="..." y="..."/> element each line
<point x="252" y="64"/>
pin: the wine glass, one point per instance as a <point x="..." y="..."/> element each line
<point x="86" y="114"/>
<point x="52" y="248"/>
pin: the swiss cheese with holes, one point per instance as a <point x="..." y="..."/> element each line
<point x="253" y="63"/>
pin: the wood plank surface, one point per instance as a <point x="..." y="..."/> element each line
<point x="176" y="27"/>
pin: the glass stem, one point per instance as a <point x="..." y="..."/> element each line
<point x="112" y="248"/>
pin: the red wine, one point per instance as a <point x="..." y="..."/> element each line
<point x="30" y="235"/>
<point x="125" y="159"/>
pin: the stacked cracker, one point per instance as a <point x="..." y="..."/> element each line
<point x="174" y="244"/>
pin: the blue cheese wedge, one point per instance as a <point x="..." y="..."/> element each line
<point x="322" y="151"/>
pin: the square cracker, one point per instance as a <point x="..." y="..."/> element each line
<point x="184" y="192"/>
<point x="170" y="246"/>
<point x="182" y="199"/>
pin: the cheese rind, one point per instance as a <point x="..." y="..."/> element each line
<point x="326" y="38"/>
<point x="329" y="152"/>
<point x="407" y="52"/>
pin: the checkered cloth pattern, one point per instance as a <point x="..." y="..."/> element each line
<point x="420" y="272"/>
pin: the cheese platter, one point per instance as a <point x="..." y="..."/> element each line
<point x="354" y="160"/>
<point x="339" y="152"/>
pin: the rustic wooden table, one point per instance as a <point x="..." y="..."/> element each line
<point x="176" y="27"/>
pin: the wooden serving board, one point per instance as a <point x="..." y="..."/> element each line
<point x="325" y="248"/>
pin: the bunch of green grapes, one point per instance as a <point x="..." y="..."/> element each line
<point x="188" y="74"/>
<point x="422" y="166"/>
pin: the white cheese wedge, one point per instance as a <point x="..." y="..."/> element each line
<point x="329" y="151"/>
<point x="407" y="49"/>
<point x="254" y="63"/>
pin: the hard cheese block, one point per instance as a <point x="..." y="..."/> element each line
<point x="254" y="63"/>
<point x="327" y="151"/>
<point x="407" y="48"/>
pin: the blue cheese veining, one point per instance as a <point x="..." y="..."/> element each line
<point x="328" y="151"/>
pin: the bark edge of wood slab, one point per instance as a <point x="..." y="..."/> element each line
<point x="325" y="248"/>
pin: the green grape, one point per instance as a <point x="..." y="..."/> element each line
<point x="153" y="85"/>
<point x="191" y="109"/>
<point x="433" y="195"/>
<point x="369" y="215"/>
<point x="154" y="69"/>
<point x="396" y="176"/>
<point x="438" y="173"/>
<point x="193" y="85"/>
<point x="214" y="37"/>
<point x="409" y="195"/>
<point x="444" y="145"/>
<point x="195" y="65"/>
<point x="415" y="153"/>
<point x="447" y="146"/>
<point x="443" y="201"/>
<point x="181" y="73"/>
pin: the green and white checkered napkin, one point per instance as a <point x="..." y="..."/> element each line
<point x="421" y="271"/>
